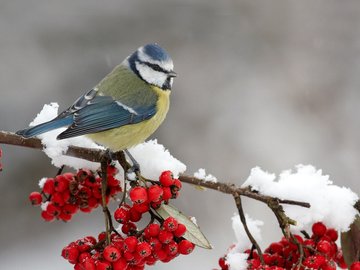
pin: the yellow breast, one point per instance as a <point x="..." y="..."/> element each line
<point x="130" y="135"/>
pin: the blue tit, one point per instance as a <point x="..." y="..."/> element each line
<point x="125" y="108"/>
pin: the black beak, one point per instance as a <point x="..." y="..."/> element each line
<point x="172" y="74"/>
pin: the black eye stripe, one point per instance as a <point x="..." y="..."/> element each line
<point x="155" y="67"/>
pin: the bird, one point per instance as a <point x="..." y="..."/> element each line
<point x="124" y="108"/>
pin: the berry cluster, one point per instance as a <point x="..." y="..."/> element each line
<point x="62" y="196"/>
<point x="319" y="252"/>
<point x="161" y="240"/>
<point x="130" y="253"/>
<point x="145" y="198"/>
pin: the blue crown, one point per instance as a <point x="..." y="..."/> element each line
<point x="156" y="52"/>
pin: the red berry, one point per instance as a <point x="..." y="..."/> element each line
<point x="332" y="234"/>
<point x="57" y="199"/>
<point x="329" y="265"/>
<point x="89" y="264"/>
<point x="155" y="243"/>
<point x="177" y="184"/>
<point x="129" y="256"/>
<point x="171" y="248"/>
<point x="128" y="228"/>
<point x="83" y="247"/>
<point x="324" y="247"/>
<point x="152" y="230"/>
<point x="276" y="247"/>
<point x="135" y="216"/>
<point x="61" y="183"/>
<point x="35" y="198"/>
<point x="340" y="260"/>
<point x="93" y="202"/>
<point x="355" y="266"/>
<point x="180" y="231"/>
<point x="170" y="224"/>
<point x="166" y="178"/>
<point x="314" y="261"/>
<point x="46" y="216"/>
<point x="166" y="193"/>
<point x="90" y="239"/>
<point x="185" y="247"/>
<point x="165" y="236"/>
<point x="113" y="182"/>
<point x="150" y="260"/>
<point x="318" y="229"/>
<point x="102" y="236"/>
<point x="70" y="253"/>
<point x="224" y="266"/>
<point x="103" y="265"/>
<point x="111" y="254"/>
<point x="53" y="210"/>
<point x="143" y="249"/>
<point x="120" y="264"/>
<point x="64" y="216"/>
<point x="122" y="215"/>
<point x="138" y="195"/>
<point x="130" y="243"/>
<point x="155" y="193"/>
<point x="160" y="254"/>
<point x="49" y="187"/>
<point x="84" y="256"/>
<point x="112" y="170"/>
<point x="84" y="193"/>
<point x="141" y="207"/>
<point x="253" y="264"/>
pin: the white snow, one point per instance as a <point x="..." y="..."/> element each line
<point x="236" y="258"/>
<point x="44" y="205"/>
<point x="154" y="159"/>
<point x="243" y="241"/>
<point x="152" y="156"/>
<point x="237" y="261"/>
<point x="201" y="174"/>
<point x="42" y="182"/>
<point x="330" y="204"/>
<point x="193" y="220"/>
<point x="55" y="149"/>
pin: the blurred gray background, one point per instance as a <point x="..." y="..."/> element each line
<point x="267" y="83"/>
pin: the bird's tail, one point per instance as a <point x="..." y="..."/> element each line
<point x="45" y="127"/>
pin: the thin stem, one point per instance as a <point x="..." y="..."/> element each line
<point x="111" y="224"/>
<point x="306" y="235"/>
<point x="60" y="170"/>
<point x="248" y="233"/>
<point x="300" y="249"/>
<point x="123" y="195"/>
<point x="104" y="164"/>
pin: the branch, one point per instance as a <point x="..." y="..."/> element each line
<point x="97" y="155"/>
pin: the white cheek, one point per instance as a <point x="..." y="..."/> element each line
<point x="151" y="76"/>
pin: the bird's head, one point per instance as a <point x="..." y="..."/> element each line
<point x="153" y="65"/>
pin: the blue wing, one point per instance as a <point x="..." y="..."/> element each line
<point x="93" y="113"/>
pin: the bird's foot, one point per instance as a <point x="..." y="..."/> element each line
<point x="135" y="168"/>
<point x="110" y="155"/>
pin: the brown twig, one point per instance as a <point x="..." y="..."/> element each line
<point x="246" y="228"/>
<point x="104" y="164"/>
